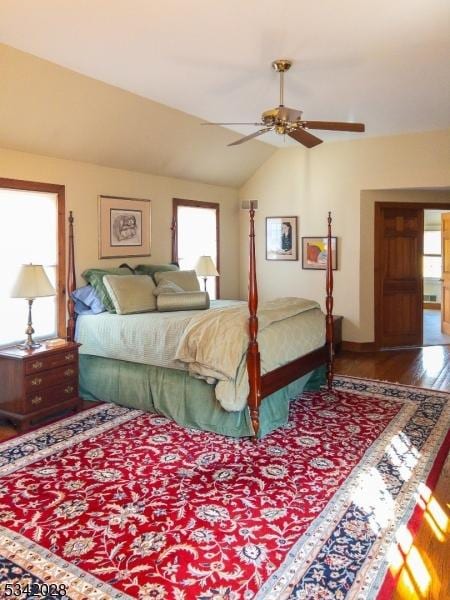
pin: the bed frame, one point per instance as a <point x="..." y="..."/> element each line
<point x="261" y="386"/>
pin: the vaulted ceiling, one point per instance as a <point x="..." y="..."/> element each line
<point x="383" y="63"/>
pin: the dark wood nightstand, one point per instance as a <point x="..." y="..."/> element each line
<point x="36" y="383"/>
<point x="337" y="332"/>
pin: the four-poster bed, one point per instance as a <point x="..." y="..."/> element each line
<point x="261" y="385"/>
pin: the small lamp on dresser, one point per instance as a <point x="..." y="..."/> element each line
<point x="205" y="268"/>
<point x="31" y="283"/>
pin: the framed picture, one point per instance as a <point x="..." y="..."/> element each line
<point x="281" y="238"/>
<point x="315" y="252"/>
<point x="124" y="227"/>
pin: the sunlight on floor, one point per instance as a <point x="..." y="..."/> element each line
<point x="373" y="497"/>
<point x="405" y="559"/>
<point x="414" y="570"/>
<point x="433" y="359"/>
<point x="434" y="514"/>
<point x="372" y="494"/>
<point x="403" y="455"/>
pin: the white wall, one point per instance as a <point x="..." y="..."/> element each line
<point x="309" y="183"/>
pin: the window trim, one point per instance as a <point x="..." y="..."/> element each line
<point x="176" y="202"/>
<point x="433" y="254"/>
<point x="60" y="191"/>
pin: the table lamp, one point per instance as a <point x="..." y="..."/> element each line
<point x="32" y="282"/>
<point x="205" y="268"/>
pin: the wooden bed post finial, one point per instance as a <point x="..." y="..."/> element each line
<point x="329" y="309"/>
<point x="253" y="357"/>
<point x="71" y="284"/>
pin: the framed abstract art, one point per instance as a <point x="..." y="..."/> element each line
<point x="315" y="252"/>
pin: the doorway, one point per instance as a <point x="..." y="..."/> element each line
<point x="432" y="279"/>
<point x="407" y="262"/>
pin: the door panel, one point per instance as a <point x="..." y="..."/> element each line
<point x="398" y="275"/>
<point x="445" y="306"/>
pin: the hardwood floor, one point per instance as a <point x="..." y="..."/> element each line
<point x="427" y="367"/>
<point x="425" y="574"/>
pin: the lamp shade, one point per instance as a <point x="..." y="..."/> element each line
<point x="32" y="282"/>
<point x="205" y="267"/>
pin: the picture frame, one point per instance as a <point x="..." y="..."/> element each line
<point x="281" y="238"/>
<point x="314" y="253"/>
<point x="124" y="227"/>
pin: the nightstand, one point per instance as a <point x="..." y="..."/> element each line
<point x="37" y="383"/>
<point x="337" y="332"/>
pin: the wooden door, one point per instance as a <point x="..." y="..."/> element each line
<point x="445" y="303"/>
<point x="398" y="275"/>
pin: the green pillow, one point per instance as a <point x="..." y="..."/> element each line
<point x="131" y="294"/>
<point x="186" y="280"/>
<point x="183" y="301"/>
<point x="95" y="278"/>
<point x="152" y="269"/>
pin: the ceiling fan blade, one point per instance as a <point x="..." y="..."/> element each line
<point x="334" y="126"/>
<point x="304" y="137"/>
<point x="249" y="137"/>
<point x="254" y="124"/>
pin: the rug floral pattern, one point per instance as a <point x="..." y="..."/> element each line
<point x="127" y="504"/>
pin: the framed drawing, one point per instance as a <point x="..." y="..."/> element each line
<point x="281" y="238"/>
<point x="124" y="227"/>
<point x="315" y="252"/>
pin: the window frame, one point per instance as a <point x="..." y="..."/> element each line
<point x="60" y="191"/>
<point x="176" y="202"/>
<point x="433" y="254"/>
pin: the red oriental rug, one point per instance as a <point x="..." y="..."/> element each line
<point x="117" y="503"/>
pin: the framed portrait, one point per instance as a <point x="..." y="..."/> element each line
<point x="281" y="238"/>
<point x="124" y="227"/>
<point x="315" y="252"/>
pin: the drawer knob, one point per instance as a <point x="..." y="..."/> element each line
<point x="37" y="364"/>
<point x="36" y="381"/>
<point x="70" y="356"/>
<point x="69" y="372"/>
<point x="69" y="389"/>
<point x="36" y="400"/>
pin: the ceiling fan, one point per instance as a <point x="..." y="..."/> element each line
<point x="288" y="121"/>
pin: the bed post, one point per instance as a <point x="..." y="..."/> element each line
<point x="71" y="284"/>
<point x="329" y="308"/>
<point x="253" y="358"/>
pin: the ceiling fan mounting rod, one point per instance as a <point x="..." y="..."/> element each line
<point x="281" y="65"/>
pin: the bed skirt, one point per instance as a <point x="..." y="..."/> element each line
<point x="188" y="401"/>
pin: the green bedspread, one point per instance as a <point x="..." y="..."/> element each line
<point x="188" y="401"/>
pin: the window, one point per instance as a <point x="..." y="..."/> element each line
<point x="196" y="233"/>
<point x="33" y="224"/>
<point x="432" y="259"/>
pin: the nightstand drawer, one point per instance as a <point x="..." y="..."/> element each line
<point x="51" y="396"/>
<point x="44" y="379"/>
<point x="42" y="363"/>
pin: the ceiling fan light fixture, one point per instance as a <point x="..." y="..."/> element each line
<point x="284" y="120"/>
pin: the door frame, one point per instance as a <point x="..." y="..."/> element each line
<point x="176" y="202"/>
<point x="377" y="255"/>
